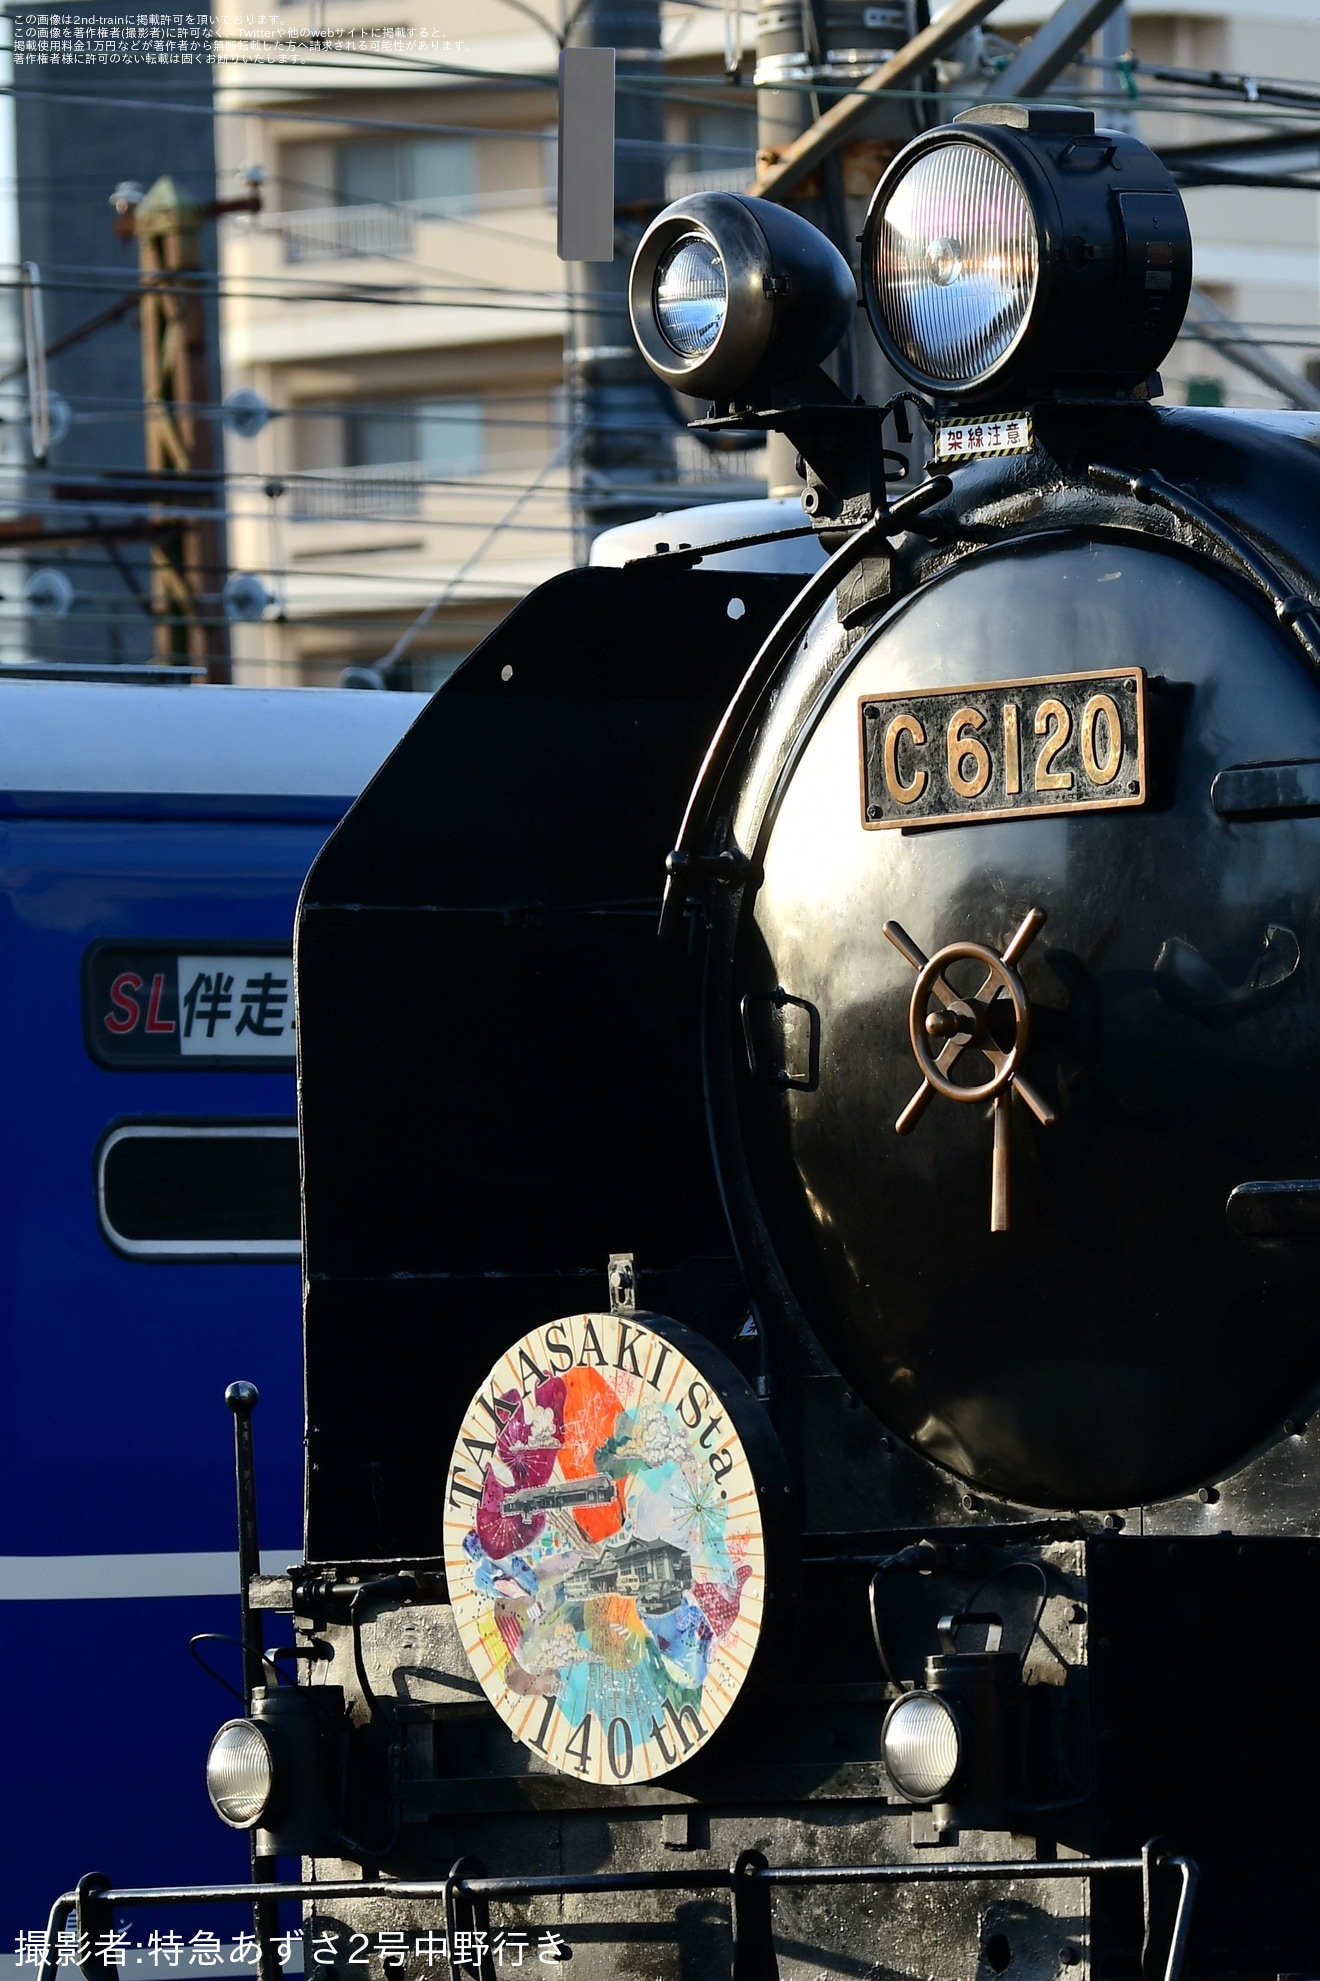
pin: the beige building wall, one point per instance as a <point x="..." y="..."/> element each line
<point x="401" y="308"/>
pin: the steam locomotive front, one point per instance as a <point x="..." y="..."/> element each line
<point x="1016" y="1058"/>
<point x="1007" y="1022"/>
<point x="907" y="1511"/>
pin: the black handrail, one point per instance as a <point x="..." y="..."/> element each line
<point x="748" y="1875"/>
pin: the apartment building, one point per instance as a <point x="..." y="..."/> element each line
<point x="400" y="308"/>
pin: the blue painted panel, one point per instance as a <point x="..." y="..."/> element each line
<point x="107" y="1724"/>
<point x="113" y="1370"/>
<point x="114" y="1438"/>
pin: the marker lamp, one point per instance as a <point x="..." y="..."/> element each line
<point x="1019" y="253"/>
<point x="240" y="1774"/>
<point x="730" y="296"/>
<point x="921" y="1747"/>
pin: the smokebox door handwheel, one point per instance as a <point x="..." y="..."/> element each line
<point x="605" y="1544"/>
<point x="943" y="1024"/>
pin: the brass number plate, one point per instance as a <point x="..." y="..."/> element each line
<point x="1004" y="749"/>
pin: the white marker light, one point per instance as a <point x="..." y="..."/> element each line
<point x="921" y="1747"/>
<point x="240" y="1774"/>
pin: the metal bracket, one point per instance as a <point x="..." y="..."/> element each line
<point x="948" y="1627"/>
<point x="468" y="1914"/>
<point x="768" y="1041"/>
<point x="623" y="1283"/>
<point x="753" y="1930"/>
<point x="94" y="1921"/>
<point x="1157" y="1859"/>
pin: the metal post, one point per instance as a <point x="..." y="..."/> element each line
<point x="781" y="116"/>
<point x="812" y="51"/>
<point x="624" y="455"/>
<point x="1115" y="43"/>
<point x="242" y="1399"/>
<point x="34" y="341"/>
<point x="187" y="578"/>
<point x="1049" y="51"/>
<point x="852" y="113"/>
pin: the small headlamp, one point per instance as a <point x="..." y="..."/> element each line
<point x="921" y="1746"/>
<point x="275" y="1771"/>
<point x="240" y="1774"/>
<point x="729" y="295"/>
<point x="1019" y="252"/>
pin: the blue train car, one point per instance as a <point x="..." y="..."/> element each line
<point x="152" y="845"/>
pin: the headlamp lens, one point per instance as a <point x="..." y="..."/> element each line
<point x="920" y="1746"/>
<point x="957" y="255"/>
<point x="240" y="1774"/>
<point x="691" y="295"/>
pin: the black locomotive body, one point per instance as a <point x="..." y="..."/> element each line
<point x="1003" y="829"/>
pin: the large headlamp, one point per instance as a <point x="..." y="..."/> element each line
<point x="1021" y="252"/>
<point x="729" y="295"/>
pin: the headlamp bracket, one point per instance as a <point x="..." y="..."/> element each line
<point x="842" y="456"/>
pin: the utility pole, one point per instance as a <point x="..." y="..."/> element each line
<point x="187" y="560"/>
<point x="623" y="420"/>
<point x="813" y="49"/>
<point x="781" y="116"/>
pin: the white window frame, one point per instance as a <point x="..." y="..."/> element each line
<point x="194" y="1250"/>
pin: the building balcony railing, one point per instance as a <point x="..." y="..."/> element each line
<point x="728" y="179"/>
<point x="343" y="233"/>
<point x="347" y="495"/>
<point x="407" y="492"/>
<point x="351" y="233"/>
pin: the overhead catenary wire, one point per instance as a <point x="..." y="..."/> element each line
<point x="1193" y="87"/>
